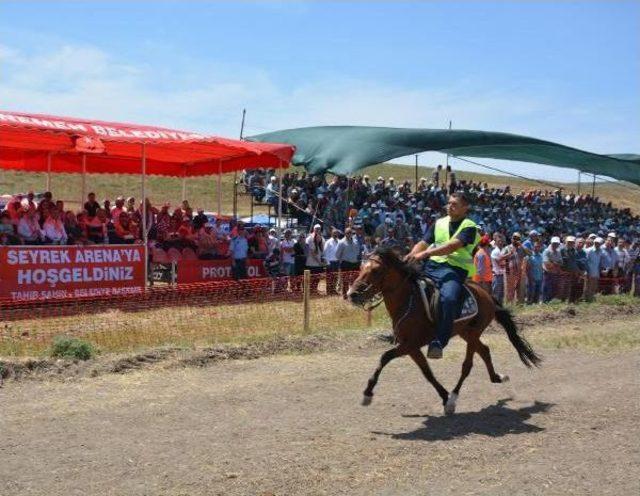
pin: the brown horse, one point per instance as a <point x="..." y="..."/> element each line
<point x="387" y="275"/>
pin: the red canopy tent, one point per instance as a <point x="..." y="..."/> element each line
<point x="43" y="143"/>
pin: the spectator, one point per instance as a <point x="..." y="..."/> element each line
<point x="330" y="255"/>
<point x="607" y="281"/>
<point x="623" y="268"/>
<point x="595" y="265"/>
<point x="368" y="248"/>
<point x="288" y="253"/>
<point x="239" y="248"/>
<point x="552" y="270"/>
<point x="207" y="243"/>
<point x="91" y="206"/>
<point x="534" y="274"/>
<point x="125" y="230"/>
<point x="28" y="227"/>
<point x="7" y="233"/>
<point x="299" y="260"/>
<point x="315" y="255"/>
<point x="118" y="209"/>
<point x="571" y="276"/>
<point x="97" y="227"/>
<point x="76" y="234"/>
<point x="498" y="268"/>
<point x="514" y="256"/>
<point x="348" y="256"/>
<point x="273" y="241"/>
<point x="53" y="229"/>
<point x="259" y="243"/>
<point x="482" y="262"/>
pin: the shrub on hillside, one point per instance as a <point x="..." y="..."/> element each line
<point x="66" y="347"/>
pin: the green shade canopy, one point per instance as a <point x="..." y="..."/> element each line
<point x="346" y="149"/>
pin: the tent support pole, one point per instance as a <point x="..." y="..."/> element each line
<point x="280" y="188"/>
<point x="144" y="215"/>
<point x="84" y="179"/>
<point x="235" y="172"/>
<point x="219" y="188"/>
<point x="415" y="186"/>
<point x="579" y="174"/>
<point x="593" y="187"/>
<point x="48" y="171"/>
<point x="184" y="188"/>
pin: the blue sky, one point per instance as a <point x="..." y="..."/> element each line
<point x="564" y="71"/>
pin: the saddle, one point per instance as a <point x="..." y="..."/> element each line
<point x="431" y="300"/>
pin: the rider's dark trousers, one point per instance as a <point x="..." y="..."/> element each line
<point x="450" y="281"/>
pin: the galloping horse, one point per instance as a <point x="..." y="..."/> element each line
<point x="387" y="275"/>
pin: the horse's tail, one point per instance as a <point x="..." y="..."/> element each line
<point x="524" y="349"/>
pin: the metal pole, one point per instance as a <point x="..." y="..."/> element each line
<point x="593" y="187"/>
<point x="235" y="173"/>
<point x="579" y="174"/>
<point x="280" y="199"/>
<point x="219" y="188"/>
<point x="447" y="153"/>
<point x="49" y="171"/>
<point x="84" y="174"/>
<point x="415" y="187"/>
<point x="144" y="214"/>
<point x="184" y="187"/>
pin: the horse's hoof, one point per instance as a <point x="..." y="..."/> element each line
<point x="503" y="378"/>
<point x="450" y="406"/>
<point x="366" y="400"/>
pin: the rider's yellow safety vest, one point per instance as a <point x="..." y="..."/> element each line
<point x="462" y="257"/>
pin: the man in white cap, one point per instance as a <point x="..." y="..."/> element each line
<point x="315" y="255"/>
<point x="595" y="264"/>
<point x="552" y="267"/>
<point x="271" y="192"/>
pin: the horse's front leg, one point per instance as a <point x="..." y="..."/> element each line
<point x="421" y="361"/>
<point x="386" y="357"/>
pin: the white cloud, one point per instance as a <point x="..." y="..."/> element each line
<point x="85" y="81"/>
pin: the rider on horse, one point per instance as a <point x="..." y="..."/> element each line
<point x="447" y="250"/>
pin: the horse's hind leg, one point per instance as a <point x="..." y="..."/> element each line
<point x="485" y="354"/>
<point x="450" y="406"/>
<point x="386" y="357"/>
<point x="421" y="361"/>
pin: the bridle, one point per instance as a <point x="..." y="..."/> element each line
<point x="377" y="298"/>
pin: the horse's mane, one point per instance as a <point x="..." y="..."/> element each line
<point x="391" y="258"/>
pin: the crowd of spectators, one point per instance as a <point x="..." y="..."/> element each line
<point x="575" y="244"/>
<point x="537" y="245"/>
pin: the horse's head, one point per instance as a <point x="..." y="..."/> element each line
<point x="382" y="273"/>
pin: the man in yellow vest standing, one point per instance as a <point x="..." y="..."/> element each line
<point x="447" y="249"/>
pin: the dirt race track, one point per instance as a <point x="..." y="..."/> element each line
<point x="292" y="424"/>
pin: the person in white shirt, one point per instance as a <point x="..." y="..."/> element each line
<point x="287" y="251"/>
<point x="272" y="241"/>
<point x="498" y="263"/>
<point x="53" y="228"/>
<point x="330" y="255"/>
<point x="29" y="228"/>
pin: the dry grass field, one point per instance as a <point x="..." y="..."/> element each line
<point x="192" y="327"/>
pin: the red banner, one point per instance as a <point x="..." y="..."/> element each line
<point x="215" y="270"/>
<point x="43" y="272"/>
